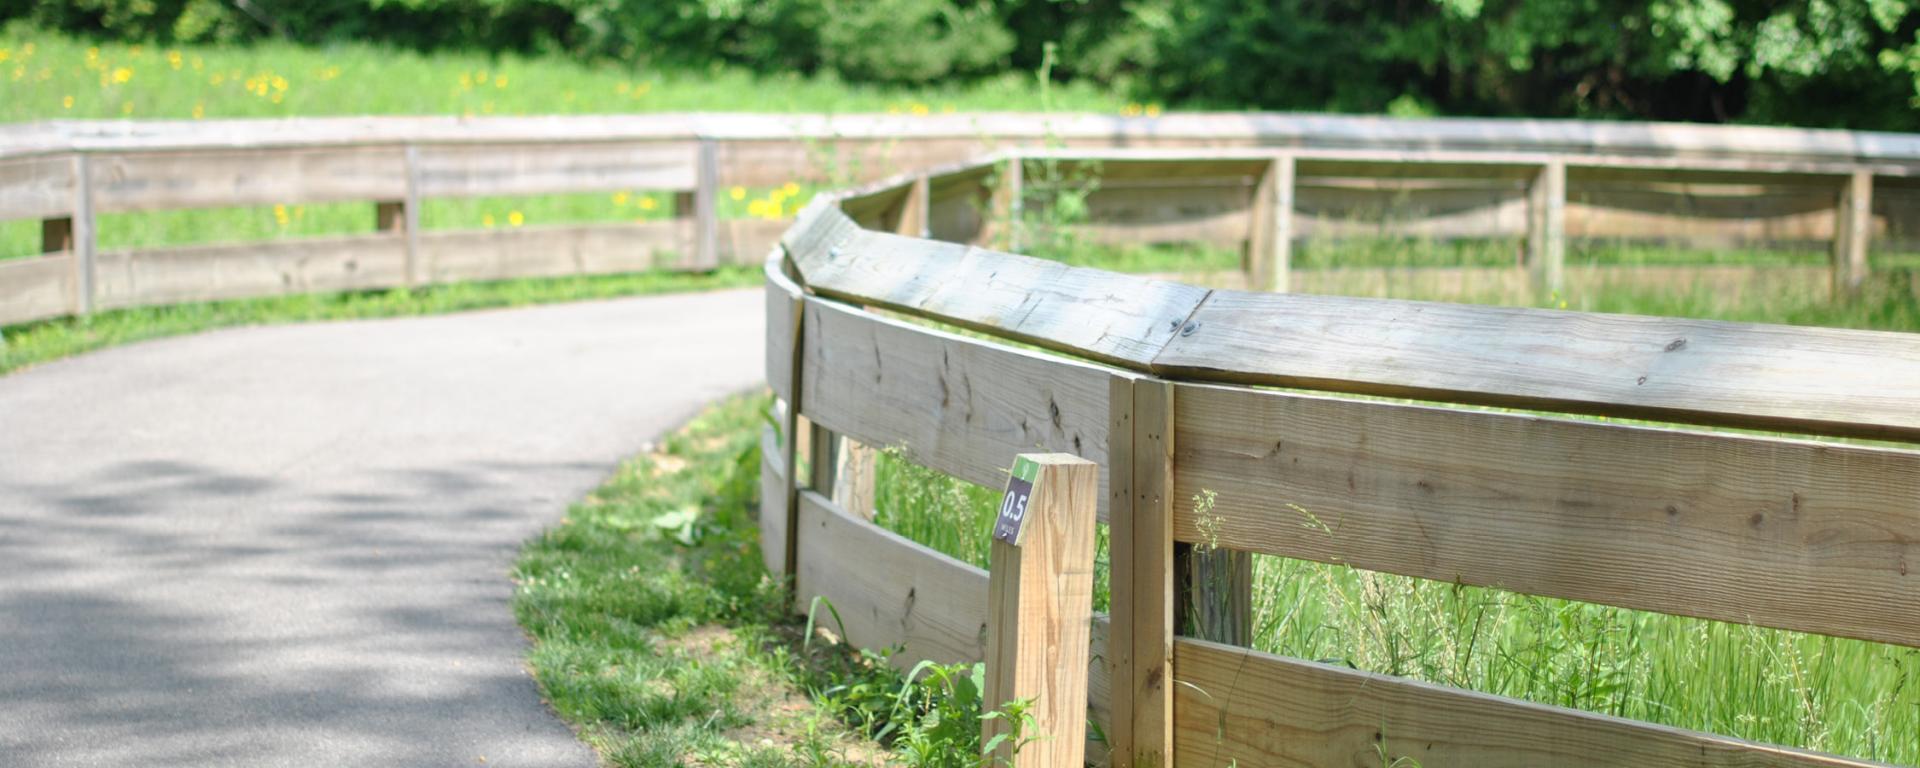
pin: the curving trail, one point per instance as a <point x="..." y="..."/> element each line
<point x="290" y="545"/>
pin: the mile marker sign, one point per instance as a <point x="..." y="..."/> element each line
<point x="1011" y="522"/>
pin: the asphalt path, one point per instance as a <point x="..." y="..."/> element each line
<point x="291" y="546"/>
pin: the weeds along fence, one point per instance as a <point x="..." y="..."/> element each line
<point x="1180" y="392"/>
<point x="1544" y="181"/>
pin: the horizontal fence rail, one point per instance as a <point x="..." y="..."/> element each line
<point x="1257" y="182"/>
<point x="1272" y="404"/>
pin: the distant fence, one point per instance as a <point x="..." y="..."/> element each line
<point x="1171" y="389"/>
<point x="1444" y="178"/>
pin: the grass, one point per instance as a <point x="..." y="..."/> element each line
<point x="34" y="343"/>
<point x="659" y="634"/>
<point x="50" y="76"/>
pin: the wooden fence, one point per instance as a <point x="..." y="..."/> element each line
<point x="1316" y="176"/>
<point x="1174" y="389"/>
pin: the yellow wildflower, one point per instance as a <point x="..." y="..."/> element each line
<point x="466" y="81"/>
<point x="622" y="88"/>
<point x="737" y="193"/>
<point x="620" y="198"/>
<point x="486" y="220"/>
<point x="122" y="75"/>
<point x="280" y="214"/>
<point x="641" y="89"/>
<point x="66" y="102"/>
<point x="279" y="83"/>
<point x="790" y="189"/>
<point x="6" y="54"/>
<point x="647" y="204"/>
<point x="920" y="110"/>
<point x="516" y="219"/>
<point x="126" y="108"/>
<point x="757" y="208"/>
<point x="1153" y="110"/>
<point x="216" y="79"/>
<point x="500" y="81"/>
<point x="199" y="110"/>
<point x="174" y="60"/>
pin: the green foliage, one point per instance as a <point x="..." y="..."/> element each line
<point x="1851" y="63"/>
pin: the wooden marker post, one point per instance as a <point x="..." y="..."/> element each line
<point x="1040" y="609"/>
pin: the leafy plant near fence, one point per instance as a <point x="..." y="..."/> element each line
<point x="661" y="636"/>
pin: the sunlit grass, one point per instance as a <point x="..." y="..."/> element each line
<point x="50" y="76"/>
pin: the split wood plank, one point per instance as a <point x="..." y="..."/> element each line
<point x="1101" y="315"/>
<point x="1039" y="611"/>
<point x="1818" y="380"/>
<point x="1251" y="708"/>
<point x="1781" y="533"/>
<point x="958" y="405"/>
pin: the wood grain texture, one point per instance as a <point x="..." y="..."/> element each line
<point x="889" y="591"/>
<point x="36" y="288"/>
<point x="36" y="187"/>
<point x="1101" y="315"/>
<point x="466" y="170"/>
<point x="160" y="180"/>
<point x="547" y="251"/>
<point x="209" y="272"/>
<point x="773" y="501"/>
<point x="1238" y="705"/>
<point x="1853" y="229"/>
<point x="1783" y="533"/>
<point x="961" y="406"/>
<point x="1823" y="381"/>
<point x="1039" y="607"/>
<point x="783" y="325"/>
<point x="1141" y="553"/>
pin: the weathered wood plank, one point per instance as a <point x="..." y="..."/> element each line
<point x="465" y="170"/>
<point x="1547" y="228"/>
<point x="1853" y="231"/>
<point x="958" y="405"/>
<point x="1096" y="314"/>
<point x="547" y="251"/>
<point x="161" y="180"/>
<point x="1246" y="707"/>
<point x="36" y="288"/>
<point x="888" y="590"/>
<point x="783" y="324"/>
<point x="773" y="501"/>
<point x="1824" y="381"/>
<point x="241" y="270"/>
<point x="36" y="187"/>
<point x="1039" y="607"/>
<point x="1792" y="534"/>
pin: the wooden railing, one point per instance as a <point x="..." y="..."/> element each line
<point x="1175" y="390"/>
<point x="1541" y="180"/>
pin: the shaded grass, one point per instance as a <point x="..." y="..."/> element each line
<point x="31" y="343"/>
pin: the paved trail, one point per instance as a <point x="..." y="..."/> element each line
<point x="290" y="546"/>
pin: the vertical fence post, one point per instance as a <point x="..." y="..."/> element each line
<point x="1547" y="227"/>
<point x="912" y="220"/>
<point x="1008" y="202"/>
<point x="1141" y="577"/>
<point x="789" y="448"/>
<point x="706" y="207"/>
<point x="407" y="218"/>
<point x="1213" y="596"/>
<point x="1270" y="228"/>
<point x="85" y="234"/>
<point x="1852" y="230"/>
<point x="1040" y="609"/>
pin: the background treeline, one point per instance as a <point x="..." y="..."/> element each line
<point x="1845" y="63"/>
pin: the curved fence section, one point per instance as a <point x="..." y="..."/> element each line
<point x="1259" y="181"/>
<point x="1478" y="475"/>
